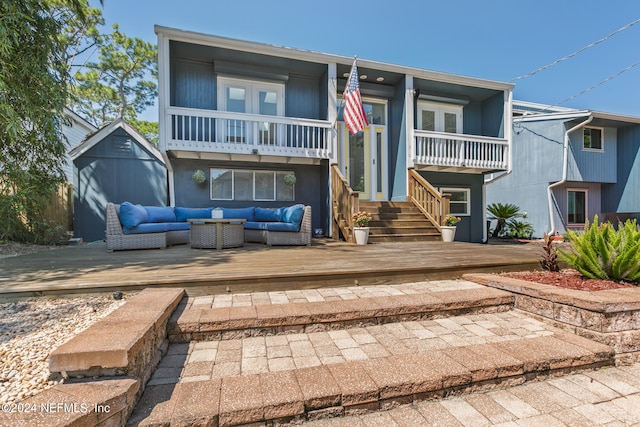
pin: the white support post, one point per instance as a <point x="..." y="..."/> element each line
<point x="409" y="109"/>
<point x="332" y="110"/>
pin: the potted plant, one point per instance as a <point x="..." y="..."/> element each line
<point x="198" y="176"/>
<point x="448" y="228"/>
<point x="361" y="229"/>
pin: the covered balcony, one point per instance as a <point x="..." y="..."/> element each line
<point x="442" y="151"/>
<point x="226" y="135"/>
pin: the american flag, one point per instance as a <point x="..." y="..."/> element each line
<point x="354" y="115"/>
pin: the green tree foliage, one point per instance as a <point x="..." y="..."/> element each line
<point x="519" y="229"/>
<point x="118" y="85"/>
<point x="34" y="78"/>
<point x="502" y="213"/>
<point x="602" y="252"/>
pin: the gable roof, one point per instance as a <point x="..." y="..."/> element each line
<point x="82" y="122"/>
<point x="538" y="112"/>
<point x="324" y="58"/>
<point x="107" y="130"/>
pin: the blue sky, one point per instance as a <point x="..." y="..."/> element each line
<point x="491" y="39"/>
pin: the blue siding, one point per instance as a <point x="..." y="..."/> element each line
<point x="593" y="166"/>
<point x="537" y="162"/>
<point x="624" y="196"/>
<point x="493" y="116"/>
<point x="302" y="97"/>
<point x="594" y="197"/>
<point x="114" y="171"/>
<point x="470" y="228"/>
<point x="397" y="145"/>
<point x="311" y="187"/>
<point x="193" y="85"/>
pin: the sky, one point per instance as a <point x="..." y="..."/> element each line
<point x="491" y="39"/>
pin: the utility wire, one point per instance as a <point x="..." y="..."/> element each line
<point x="598" y="84"/>
<point x="571" y="55"/>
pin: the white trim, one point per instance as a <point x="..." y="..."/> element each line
<point x="97" y="137"/>
<point x="440" y="109"/>
<point x="466" y="190"/>
<point x="594" y="150"/>
<point x="323" y="58"/>
<point x="253" y="184"/>
<point x="586" y="205"/>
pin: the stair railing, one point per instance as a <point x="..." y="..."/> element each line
<point x="345" y="202"/>
<point x="433" y="204"/>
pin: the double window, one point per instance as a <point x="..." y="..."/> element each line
<point x="244" y="184"/>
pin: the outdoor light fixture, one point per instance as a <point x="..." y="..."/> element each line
<point x="254" y="151"/>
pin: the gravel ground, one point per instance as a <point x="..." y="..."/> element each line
<point x="31" y="328"/>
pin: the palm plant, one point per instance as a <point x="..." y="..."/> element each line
<point x="502" y="213"/>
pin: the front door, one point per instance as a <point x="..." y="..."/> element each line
<point x="363" y="157"/>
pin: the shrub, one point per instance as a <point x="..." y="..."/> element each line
<point x="549" y="259"/>
<point x="602" y="252"/>
<point x="502" y="213"/>
<point x="519" y="229"/>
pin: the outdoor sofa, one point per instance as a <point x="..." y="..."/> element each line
<point x="130" y="226"/>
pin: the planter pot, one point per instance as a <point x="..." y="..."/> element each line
<point x="448" y="233"/>
<point x="361" y="234"/>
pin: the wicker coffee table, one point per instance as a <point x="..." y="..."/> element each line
<point x="209" y="233"/>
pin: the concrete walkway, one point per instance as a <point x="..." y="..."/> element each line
<point x="431" y="339"/>
<point x="607" y="397"/>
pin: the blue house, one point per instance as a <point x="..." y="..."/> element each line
<point x="264" y="122"/>
<point x="569" y="165"/>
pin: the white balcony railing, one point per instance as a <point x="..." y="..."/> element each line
<point x="459" y="150"/>
<point x="238" y="133"/>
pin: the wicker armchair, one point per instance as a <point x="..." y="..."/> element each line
<point x="303" y="237"/>
<point x="118" y="241"/>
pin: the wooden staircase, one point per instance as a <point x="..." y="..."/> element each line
<point x="398" y="222"/>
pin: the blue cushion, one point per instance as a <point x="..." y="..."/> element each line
<point x="177" y="226"/>
<point x="282" y="226"/>
<point x="253" y="225"/>
<point x="293" y="214"/>
<point x="183" y="214"/>
<point x="268" y="215"/>
<point x="147" y="227"/>
<point x="160" y="214"/>
<point x="244" y="213"/>
<point x="132" y="215"/>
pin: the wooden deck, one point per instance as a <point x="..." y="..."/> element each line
<point x="89" y="268"/>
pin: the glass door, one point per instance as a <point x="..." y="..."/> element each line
<point x="363" y="159"/>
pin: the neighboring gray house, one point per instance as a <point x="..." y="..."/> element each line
<point x="74" y="133"/>
<point x="115" y="164"/>
<point x="251" y="114"/>
<point x="569" y="165"/>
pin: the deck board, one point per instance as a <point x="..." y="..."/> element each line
<point x="89" y="268"/>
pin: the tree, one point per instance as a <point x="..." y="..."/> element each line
<point x="502" y="213"/>
<point x="117" y="86"/>
<point x="34" y="75"/>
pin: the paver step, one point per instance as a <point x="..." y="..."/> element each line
<point x="207" y="318"/>
<point x="306" y="376"/>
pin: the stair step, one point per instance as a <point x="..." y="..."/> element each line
<point x="200" y="322"/>
<point x="346" y="351"/>
<point x="424" y="237"/>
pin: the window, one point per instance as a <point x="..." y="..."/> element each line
<point x="592" y="139"/>
<point x="460" y="202"/>
<point x="439" y="117"/>
<point x="577" y="206"/>
<point x="251" y="97"/>
<point x="236" y="184"/>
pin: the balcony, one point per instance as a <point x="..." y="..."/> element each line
<point x="223" y="132"/>
<point x="441" y="151"/>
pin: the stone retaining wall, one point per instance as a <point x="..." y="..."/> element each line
<point x="611" y="317"/>
<point x="119" y="353"/>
